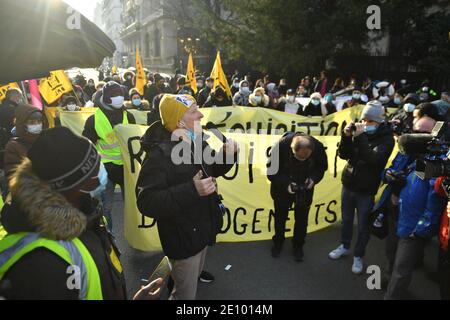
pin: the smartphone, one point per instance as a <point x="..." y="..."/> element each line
<point x="163" y="270"/>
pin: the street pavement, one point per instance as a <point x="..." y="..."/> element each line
<point x="255" y="275"/>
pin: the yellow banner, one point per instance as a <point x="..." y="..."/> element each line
<point x="190" y="74"/>
<point x="141" y="77"/>
<point x="3" y="90"/>
<point x="220" y="80"/>
<point x="246" y="191"/>
<point x="53" y="87"/>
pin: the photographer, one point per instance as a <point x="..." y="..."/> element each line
<point x="420" y="209"/>
<point x="300" y="164"/>
<point x="367" y="147"/>
<point x="404" y="117"/>
<point x="442" y="188"/>
<point x="182" y="197"/>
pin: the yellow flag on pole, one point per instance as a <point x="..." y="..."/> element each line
<point x="141" y="77"/>
<point x="53" y="87"/>
<point x="220" y="80"/>
<point x="114" y="70"/>
<point x="190" y="74"/>
<point x="3" y="90"/>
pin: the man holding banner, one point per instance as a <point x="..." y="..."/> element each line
<point x="178" y="189"/>
<point x="297" y="164"/>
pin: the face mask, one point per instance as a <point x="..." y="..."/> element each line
<point x="136" y="102"/>
<point x="329" y="99"/>
<point x="291" y="99"/>
<point x="425" y="89"/>
<point x="409" y="107"/>
<point x="258" y="99"/>
<point x="370" y="129"/>
<point x="103" y="179"/>
<point x="209" y="85"/>
<point x="117" y="102"/>
<point x="315" y="102"/>
<point x="34" y="128"/>
<point x="192" y="135"/>
<point x="397" y="101"/>
<point x="356" y="96"/>
<point x="236" y="85"/>
<point x="244" y="90"/>
<point x="71" y="107"/>
<point x="384" y="99"/>
<point x="200" y="85"/>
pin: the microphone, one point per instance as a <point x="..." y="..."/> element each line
<point x="414" y="143"/>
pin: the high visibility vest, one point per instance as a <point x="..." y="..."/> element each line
<point x="107" y="144"/>
<point x="13" y="247"/>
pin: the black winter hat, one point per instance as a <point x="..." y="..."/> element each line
<point x="63" y="159"/>
<point x="112" y="89"/>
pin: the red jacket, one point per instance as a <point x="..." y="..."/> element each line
<point x="443" y="231"/>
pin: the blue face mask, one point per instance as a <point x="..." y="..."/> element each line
<point x="371" y="129"/>
<point x="103" y="179"/>
<point x="397" y="101"/>
<point x="192" y="135"/>
<point x="136" y="102"/>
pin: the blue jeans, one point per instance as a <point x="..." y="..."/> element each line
<point x="361" y="204"/>
<point x="107" y="198"/>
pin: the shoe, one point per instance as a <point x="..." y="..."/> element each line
<point x="206" y="277"/>
<point x="298" y="254"/>
<point x="358" y="265"/>
<point x="338" y="253"/>
<point x="276" y="249"/>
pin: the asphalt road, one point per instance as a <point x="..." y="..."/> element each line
<point x="255" y="275"/>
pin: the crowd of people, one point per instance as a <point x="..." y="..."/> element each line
<point x="60" y="190"/>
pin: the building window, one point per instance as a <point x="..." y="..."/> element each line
<point x="157" y="43"/>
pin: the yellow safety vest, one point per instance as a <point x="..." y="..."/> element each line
<point x="13" y="247"/>
<point x="107" y="144"/>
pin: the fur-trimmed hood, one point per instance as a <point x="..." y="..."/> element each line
<point x="43" y="210"/>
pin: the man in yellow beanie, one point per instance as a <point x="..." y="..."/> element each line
<point x="182" y="196"/>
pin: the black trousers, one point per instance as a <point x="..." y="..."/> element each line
<point x="444" y="274"/>
<point x="302" y="204"/>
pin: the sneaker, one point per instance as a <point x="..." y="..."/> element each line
<point x="338" y="253"/>
<point x="276" y="249"/>
<point x="206" y="277"/>
<point x="298" y="254"/>
<point x="358" y="265"/>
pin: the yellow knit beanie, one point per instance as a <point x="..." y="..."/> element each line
<point x="172" y="109"/>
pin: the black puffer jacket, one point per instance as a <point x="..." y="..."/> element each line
<point x="292" y="170"/>
<point x="366" y="157"/>
<point x="187" y="223"/>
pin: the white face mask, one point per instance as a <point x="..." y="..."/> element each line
<point x="34" y="128"/>
<point x="71" y="107"/>
<point x="103" y="179"/>
<point x="356" y="96"/>
<point x="384" y="99"/>
<point x="258" y="99"/>
<point x="315" y="102"/>
<point x="117" y="102"/>
<point x="245" y="90"/>
<point x="409" y="107"/>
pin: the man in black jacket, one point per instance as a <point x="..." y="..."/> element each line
<point x="203" y="95"/>
<point x="297" y="164"/>
<point x="180" y="193"/>
<point x="367" y="147"/>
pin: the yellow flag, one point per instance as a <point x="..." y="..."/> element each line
<point x="3" y="90"/>
<point x="53" y="87"/>
<point x="220" y="80"/>
<point x="190" y="74"/>
<point x="114" y="70"/>
<point x="141" y="77"/>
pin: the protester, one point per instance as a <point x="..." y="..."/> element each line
<point x="203" y="95"/>
<point x="282" y="87"/>
<point x="272" y="93"/>
<point x="405" y="115"/>
<point x="128" y="80"/>
<point x="235" y="86"/>
<point x="444" y="252"/>
<point x="330" y="105"/>
<point x="338" y="85"/>
<point x="90" y="89"/>
<point x="367" y="150"/>
<point x="289" y="104"/>
<point x="136" y="101"/>
<point x="298" y="163"/>
<point x="13" y="98"/>
<point x="314" y="108"/>
<point x="218" y="98"/>
<point x="99" y="129"/>
<point x="182" y="87"/>
<point x="182" y="199"/>
<point x="259" y="99"/>
<point x="156" y="88"/>
<point x="322" y="85"/>
<point x="241" y="98"/>
<point x="355" y="101"/>
<point x="29" y="125"/>
<point x="419" y="216"/>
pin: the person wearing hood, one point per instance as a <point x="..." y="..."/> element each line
<point x="355" y="101"/>
<point x="90" y="89"/>
<point x="55" y="231"/>
<point x="136" y="101"/>
<point x="405" y="115"/>
<point x="314" y="108"/>
<point x="274" y="96"/>
<point x="330" y="106"/>
<point x="156" y="88"/>
<point x="204" y="93"/>
<point x="13" y="98"/>
<point x="366" y="146"/>
<point x="289" y="104"/>
<point x="259" y="99"/>
<point x="217" y="98"/>
<point x="235" y="86"/>
<point x="128" y="80"/>
<point x="99" y="129"/>
<point x="29" y="125"/>
<point x="241" y="98"/>
<point x="182" y="197"/>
